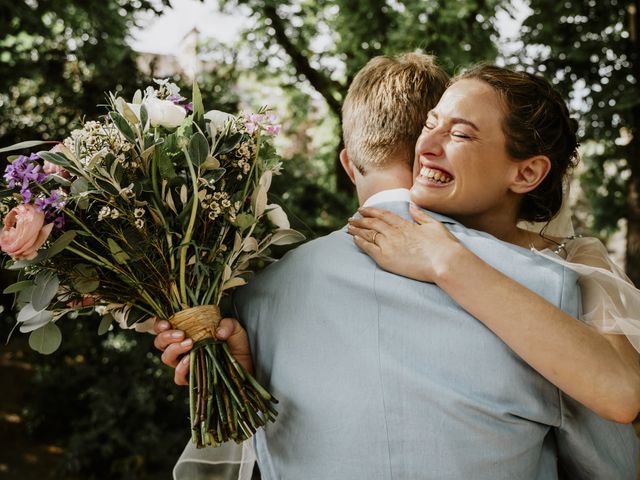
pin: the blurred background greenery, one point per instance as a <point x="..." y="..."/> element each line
<point x="106" y="407"/>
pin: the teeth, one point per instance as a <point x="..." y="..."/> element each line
<point x="435" y="175"/>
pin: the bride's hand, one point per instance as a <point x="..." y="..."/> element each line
<point x="419" y="250"/>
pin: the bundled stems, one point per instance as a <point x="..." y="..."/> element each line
<point x="226" y="402"/>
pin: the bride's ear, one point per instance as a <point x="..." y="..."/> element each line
<point x="347" y="165"/>
<point x="530" y="173"/>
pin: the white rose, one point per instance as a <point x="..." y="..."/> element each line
<point x="218" y="118"/>
<point x="163" y="113"/>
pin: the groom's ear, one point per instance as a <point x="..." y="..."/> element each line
<point x="347" y="165"/>
<point x="530" y="173"/>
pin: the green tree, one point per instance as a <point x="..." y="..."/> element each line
<point x="58" y="58"/>
<point x="595" y="46"/>
<point x="327" y="42"/>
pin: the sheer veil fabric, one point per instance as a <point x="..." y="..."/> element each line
<point x="610" y="301"/>
<point x="227" y="462"/>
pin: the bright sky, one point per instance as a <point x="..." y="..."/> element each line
<point x="163" y="34"/>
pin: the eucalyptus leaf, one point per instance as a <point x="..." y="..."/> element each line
<point x="105" y="324"/>
<point x="46" y="339"/>
<point x="60" y="180"/>
<point x="198" y="149"/>
<point x="18" y="286"/>
<point x="286" y="237"/>
<point x="25" y="145"/>
<point x="61" y="243"/>
<point x="229" y="143"/>
<point x="20" y="264"/>
<point x="118" y="253"/>
<point x="80" y="185"/>
<point x="56" y="158"/>
<point x="123" y="126"/>
<point x="87" y="280"/>
<point x="44" y="290"/>
<point x="27" y="312"/>
<point x="42" y="318"/>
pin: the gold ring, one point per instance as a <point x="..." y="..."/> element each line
<point x="373" y="240"/>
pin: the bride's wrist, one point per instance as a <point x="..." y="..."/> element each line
<point x="450" y="264"/>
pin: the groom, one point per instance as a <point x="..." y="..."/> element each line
<point x="382" y="377"/>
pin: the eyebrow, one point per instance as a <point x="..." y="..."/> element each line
<point x="455" y="120"/>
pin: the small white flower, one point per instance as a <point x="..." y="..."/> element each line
<point x="140" y="224"/>
<point x="114" y="213"/>
<point x="138" y="212"/>
<point x="104" y="212"/>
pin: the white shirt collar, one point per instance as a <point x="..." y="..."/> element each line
<point x="392" y="195"/>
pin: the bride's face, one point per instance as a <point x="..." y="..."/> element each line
<point x="461" y="166"/>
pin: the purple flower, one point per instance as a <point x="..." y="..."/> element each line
<point x="59" y="222"/>
<point x="22" y="171"/>
<point x="26" y="195"/>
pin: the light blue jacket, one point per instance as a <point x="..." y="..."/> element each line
<point x="383" y="377"/>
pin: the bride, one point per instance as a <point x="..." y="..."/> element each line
<point x="493" y="152"/>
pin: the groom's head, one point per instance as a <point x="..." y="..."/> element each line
<point x="383" y="113"/>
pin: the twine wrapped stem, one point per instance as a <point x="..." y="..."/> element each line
<point x="226" y="402"/>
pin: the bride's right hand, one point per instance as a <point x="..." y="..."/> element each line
<point x="173" y="346"/>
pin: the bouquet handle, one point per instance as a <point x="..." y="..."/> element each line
<point x="226" y="402"/>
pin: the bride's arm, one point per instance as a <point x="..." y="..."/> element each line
<point x="599" y="370"/>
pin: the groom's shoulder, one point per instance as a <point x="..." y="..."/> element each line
<point x="328" y="250"/>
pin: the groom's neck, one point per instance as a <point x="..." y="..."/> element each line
<point x="375" y="181"/>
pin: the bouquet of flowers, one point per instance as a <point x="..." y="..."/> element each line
<point x="156" y="210"/>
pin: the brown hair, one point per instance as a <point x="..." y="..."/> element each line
<point x="536" y="122"/>
<point x="386" y="105"/>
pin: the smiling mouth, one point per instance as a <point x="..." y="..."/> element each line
<point x="436" y="176"/>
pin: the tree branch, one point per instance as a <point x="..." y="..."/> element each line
<point x="328" y="88"/>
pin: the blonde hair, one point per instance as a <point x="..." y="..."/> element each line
<point x="386" y="105"/>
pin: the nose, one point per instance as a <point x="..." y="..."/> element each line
<point x="430" y="143"/>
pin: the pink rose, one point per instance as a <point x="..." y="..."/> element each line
<point x="24" y="232"/>
<point x="52" y="168"/>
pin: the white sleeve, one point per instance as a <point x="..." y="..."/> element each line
<point x="610" y="301"/>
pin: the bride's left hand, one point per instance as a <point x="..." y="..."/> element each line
<point x="419" y="250"/>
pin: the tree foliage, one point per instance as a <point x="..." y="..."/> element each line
<point x="58" y="57"/>
<point x="591" y="49"/>
<point x="327" y="42"/>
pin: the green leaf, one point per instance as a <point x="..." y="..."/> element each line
<point x="105" y="323"/>
<point x="46" y="339"/>
<point x="198" y="148"/>
<point x="79" y="186"/>
<point x="286" y="237"/>
<point x="244" y="221"/>
<point x="61" y="243"/>
<point x="121" y="124"/>
<point x="17" y="287"/>
<point x="118" y="253"/>
<point x="144" y="117"/>
<point x="87" y="280"/>
<point x="136" y="316"/>
<point x="229" y="143"/>
<point x="214" y="175"/>
<point x="45" y="289"/>
<point x="24" y="145"/>
<point x="20" y="264"/>
<point x="165" y="165"/>
<point x="56" y="158"/>
<point x="196" y="101"/>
